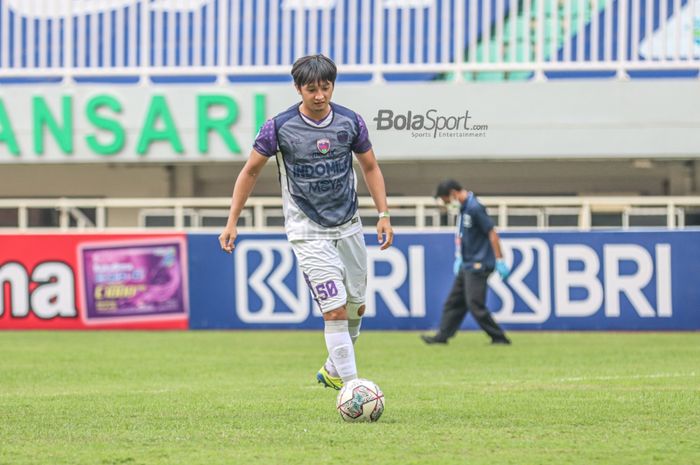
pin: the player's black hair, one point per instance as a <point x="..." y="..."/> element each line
<point x="444" y="188"/>
<point x="313" y="69"/>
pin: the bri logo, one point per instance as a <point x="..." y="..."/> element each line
<point x="323" y="145"/>
<point x="582" y="282"/>
<point x="271" y="289"/>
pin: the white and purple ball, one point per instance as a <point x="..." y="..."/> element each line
<point x="360" y="400"/>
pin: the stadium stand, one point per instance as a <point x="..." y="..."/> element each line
<point x="74" y="44"/>
<point x="113" y="39"/>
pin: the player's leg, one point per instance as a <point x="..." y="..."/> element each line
<point x="339" y="343"/>
<point x="475" y="294"/>
<point x="324" y="273"/>
<point x="354" y="312"/>
<point x="353" y="254"/>
<point x="453" y="312"/>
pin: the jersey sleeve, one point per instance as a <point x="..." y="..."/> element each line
<point x="482" y="218"/>
<point x="361" y="144"/>
<point x="266" y="140"/>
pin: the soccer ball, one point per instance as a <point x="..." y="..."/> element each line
<point x="360" y="400"/>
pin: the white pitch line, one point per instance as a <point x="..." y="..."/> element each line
<point x="521" y="382"/>
<point x="609" y="378"/>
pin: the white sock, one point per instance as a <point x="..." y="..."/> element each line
<point x="340" y="348"/>
<point x="354" y="331"/>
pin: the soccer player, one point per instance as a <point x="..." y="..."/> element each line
<point x="478" y="254"/>
<point x="313" y="142"/>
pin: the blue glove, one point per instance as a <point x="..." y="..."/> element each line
<point x="457" y="265"/>
<point x="502" y="269"/>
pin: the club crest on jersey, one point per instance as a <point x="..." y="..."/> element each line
<point x="466" y="220"/>
<point x="323" y="145"/>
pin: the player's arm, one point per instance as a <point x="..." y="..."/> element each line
<point x="495" y="243"/>
<point x="483" y="221"/>
<point x="375" y="184"/>
<point x="501" y="267"/>
<point x="241" y="191"/>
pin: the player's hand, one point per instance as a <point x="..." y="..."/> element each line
<point x="457" y="265"/>
<point x="502" y="269"/>
<point x="385" y="233"/>
<point x="227" y="238"/>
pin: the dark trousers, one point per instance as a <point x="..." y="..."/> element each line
<point x="468" y="294"/>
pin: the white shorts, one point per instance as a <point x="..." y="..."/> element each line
<point x="335" y="269"/>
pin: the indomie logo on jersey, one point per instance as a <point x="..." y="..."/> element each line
<point x="320" y="170"/>
<point x="323" y="145"/>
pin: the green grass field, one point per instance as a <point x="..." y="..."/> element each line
<point x="249" y="398"/>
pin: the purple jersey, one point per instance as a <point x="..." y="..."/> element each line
<point x="315" y="162"/>
<point x="266" y="140"/>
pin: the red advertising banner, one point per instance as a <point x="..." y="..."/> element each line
<point x="96" y="281"/>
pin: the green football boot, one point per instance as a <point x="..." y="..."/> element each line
<point x="323" y="377"/>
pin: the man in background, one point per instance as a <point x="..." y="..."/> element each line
<point x="478" y="253"/>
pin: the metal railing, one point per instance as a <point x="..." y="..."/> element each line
<point x="226" y="39"/>
<point x="265" y="213"/>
